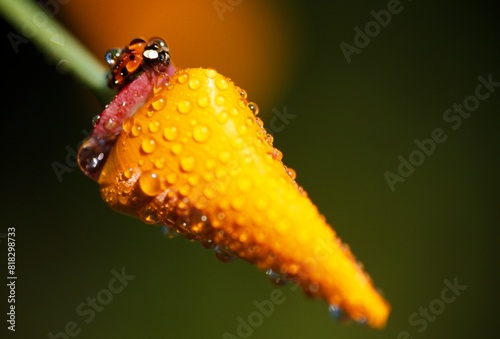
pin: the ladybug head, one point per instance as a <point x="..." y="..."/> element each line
<point x="156" y="55"/>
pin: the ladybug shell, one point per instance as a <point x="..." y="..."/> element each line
<point x="131" y="60"/>
<point x="196" y="159"/>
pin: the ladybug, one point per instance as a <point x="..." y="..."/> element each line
<point x="127" y="63"/>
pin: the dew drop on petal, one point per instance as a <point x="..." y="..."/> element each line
<point x="187" y="163"/>
<point x="194" y="84"/>
<point x="201" y="133"/>
<point x="170" y="133"/>
<point x="154" y="126"/>
<point x="176" y="148"/>
<point x="221" y="83"/>
<point x="220" y="100"/>
<point x="276" y="278"/>
<point x="148" y="145"/>
<point x="183" y="78"/>
<point x="222" y="117"/>
<point x="159" y="163"/>
<point x="291" y="173"/>
<point x="211" y="73"/>
<point x="223" y="255"/>
<point x="168" y="232"/>
<point x="184" y="106"/>
<point x="158" y="103"/>
<point x="149" y="216"/>
<point x="203" y="102"/>
<point x="253" y="107"/>
<point x="136" y="130"/>
<point x="150" y="183"/>
<point x="127" y="124"/>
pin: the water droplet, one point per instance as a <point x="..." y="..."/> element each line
<point x="242" y="102"/>
<point x="194" y="84"/>
<point x="223" y="255"/>
<point x="110" y="124"/>
<point x="210" y="192"/>
<point x="291" y="172"/>
<point x="92" y="155"/>
<point x="187" y="163"/>
<point x="335" y="312"/>
<point x="148" y="145"/>
<point x="276" y="278"/>
<point x="313" y="287"/>
<point x="159" y="102"/>
<point x="253" y="107"/>
<point x="127" y="124"/>
<point x="224" y="156"/>
<point x="201" y="133"/>
<point x="269" y="139"/>
<point x="242" y="129"/>
<point x="95" y="120"/>
<point x="238" y="143"/>
<point x="170" y="133"/>
<point x="149" y="216"/>
<point x="222" y="117"/>
<point x="220" y="100"/>
<point x="221" y="83"/>
<point x="159" y="163"/>
<point x="128" y="173"/>
<point x="136" y="130"/>
<point x="184" y="106"/>
<point x="237" y="203"/>
<point x="193" y="180"/>
<point x="168" y="232"/>
<point x="183" y="78"/>
<point x="203" y="102"/>
<point x="210" y="73"/>
<point x="242" y="92"/>
<point x="176" y="148"/>
<point x="154" y="126"/>
<point x="234" y="111"/>
<point x="171" y="178"/>
<point x="277" y="154"/>
<point x="150" y="184"/>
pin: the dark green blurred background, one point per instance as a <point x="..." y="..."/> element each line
<point x="351" y="123"/>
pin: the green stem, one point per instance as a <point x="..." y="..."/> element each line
<point x="58" y="43"/>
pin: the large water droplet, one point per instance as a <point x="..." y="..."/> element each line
<point x="170" y="133"/>
<point x="187" y="163"/>
<point x="92" y="155"/>
<point x="223" y="255"/>
<point x="150" y="183"/>
<point x="149" y="216"/>
<point x="148" y="146"/>
<point x="253" y="107"/>
<point x="159" y="102"/>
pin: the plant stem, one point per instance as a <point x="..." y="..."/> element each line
<point x="58" y="43"/>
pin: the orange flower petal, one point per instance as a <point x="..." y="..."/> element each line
<point x="196" y="159"/>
